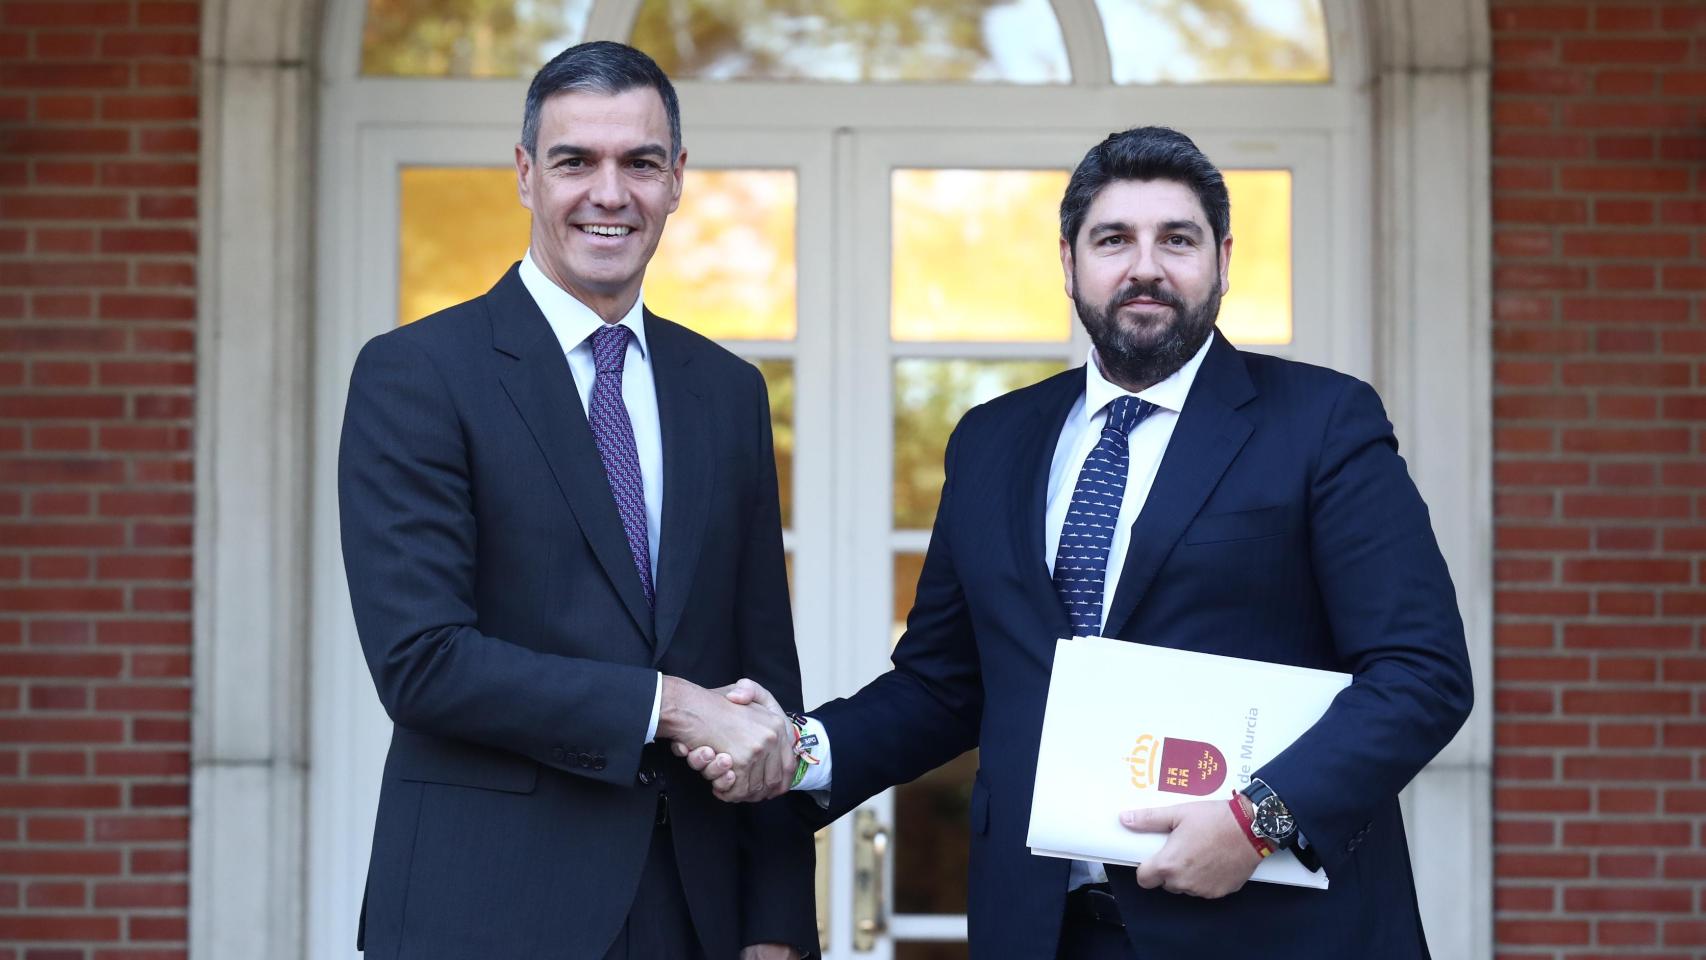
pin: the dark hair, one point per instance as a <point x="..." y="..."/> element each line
<point x="1145" y="153"/>
<point x="599" y="67"/>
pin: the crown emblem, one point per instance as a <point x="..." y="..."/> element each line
<point x="1174" y="765"/>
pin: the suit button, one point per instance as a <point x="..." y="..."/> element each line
<point x="598" y="763"/>
<point x="584" y="759"/>
<point x="646" y="777"/>
<point x="558" y="754"/>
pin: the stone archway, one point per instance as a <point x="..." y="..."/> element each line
<point x="248" y="825"/>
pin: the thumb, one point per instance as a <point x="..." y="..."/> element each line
<point x="1151" y="820"/>
<point x="747" y="690"/>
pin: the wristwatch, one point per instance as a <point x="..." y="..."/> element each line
<point x="1271" y="821"/>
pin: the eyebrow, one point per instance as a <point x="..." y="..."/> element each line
<point x="653" y="150"/>
<point x="1182" y="226"/>
<point x="1170" y="226"/>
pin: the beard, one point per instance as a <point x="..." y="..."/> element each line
<point x="1138" y="357"/>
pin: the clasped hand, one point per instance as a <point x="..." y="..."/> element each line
<point x="736" y="736"/>
<point x="1206" y="854"/>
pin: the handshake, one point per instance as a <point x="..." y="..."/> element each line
<point x="736" y="736"/>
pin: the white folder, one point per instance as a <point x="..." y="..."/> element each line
<point x="1130" y="725"/>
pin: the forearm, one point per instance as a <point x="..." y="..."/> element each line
<point x="456" y="682"/>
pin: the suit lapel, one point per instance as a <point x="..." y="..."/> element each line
<point x="542" y="388"/>
<point x="687" y="467"/>
<point x="1034" y="453"/>
<point x="1209" y="434"/>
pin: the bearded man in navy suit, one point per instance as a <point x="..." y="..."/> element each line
<point x="1261" y="511"/>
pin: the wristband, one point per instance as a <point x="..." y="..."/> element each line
<point x="1263" y="848"/>
<point x="803" y="746"/>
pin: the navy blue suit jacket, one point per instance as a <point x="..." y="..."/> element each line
<point x="511" y="643"/>
<point x="1282" y="526"/>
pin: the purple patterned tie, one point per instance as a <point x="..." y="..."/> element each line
<point x="608" y="417"/>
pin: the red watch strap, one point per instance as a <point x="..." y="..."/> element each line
<point x="1264" y="849"/>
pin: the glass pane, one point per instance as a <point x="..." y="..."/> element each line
<point x="1205" y="41"/>
<point x="931" y="828"/>
<point x="907" y="567"/>
<point x="725" y="266"/>
<point x="1258" y="307"/>
<point x="1013" y="41"/>
<point x="459" y="228"/>
<point x="916" y="950"/>
<point x="779" y="379"/>
<point x="929" y="398"/>
<point x="976" y="256"/>
<point x="467" y="38"/>
<point x="932" y="839"/>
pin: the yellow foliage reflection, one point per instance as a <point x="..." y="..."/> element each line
<point x="726" y="266"/>
<point x="975" y="256"/>
<point x="460" y="228"/>
<point x="930" y="396"/>
<point x="1257" y="310"/>
<point x="467" y="38"/>
<point x="1216" y="41"/>
<point x="1011" y="41"/>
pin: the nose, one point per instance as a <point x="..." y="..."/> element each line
<point x="608" y="190"/>
<point x="1145" y="267"/>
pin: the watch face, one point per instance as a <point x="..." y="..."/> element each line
<point x="1273" y="821"/>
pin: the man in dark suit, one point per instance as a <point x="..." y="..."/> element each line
<point x="560" y="525"/>
<point x="1260" y="510"/>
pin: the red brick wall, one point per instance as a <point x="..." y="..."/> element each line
<point x="1599" y="165"/>
<point x="98" y="141"/>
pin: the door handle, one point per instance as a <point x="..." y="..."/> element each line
<point x="821" y="841"/>
<point x="870" y="905"/>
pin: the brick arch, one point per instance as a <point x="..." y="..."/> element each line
<point x="1427" y="65"/>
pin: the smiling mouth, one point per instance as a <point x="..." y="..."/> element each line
<point x="602" y="230"/>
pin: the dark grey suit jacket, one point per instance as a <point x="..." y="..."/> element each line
<point x="510" y="642"/>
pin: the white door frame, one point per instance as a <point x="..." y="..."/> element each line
<point x="1427" y="70"/>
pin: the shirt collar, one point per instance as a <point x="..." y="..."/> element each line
<point x="1169" y="394"/>
<point x="571" y="320"/>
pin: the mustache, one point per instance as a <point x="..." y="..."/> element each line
<point x="1151" y="291"/>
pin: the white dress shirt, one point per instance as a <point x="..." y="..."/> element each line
<point x="1078" y="436"/>
<point x="574" y="322"/>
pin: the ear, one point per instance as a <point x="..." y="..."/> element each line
<point x="1066" y="265"/>
<point x="1225" y="264"/>
<point x="680" y="172"/>
<point x="524" y="175"/>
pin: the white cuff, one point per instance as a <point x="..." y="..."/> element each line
<point x="817" y="774"/>
<point x="657" y="708"/>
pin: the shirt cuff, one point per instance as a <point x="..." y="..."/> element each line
<point x="657" y="707"/>
<point x="817" y="774"/>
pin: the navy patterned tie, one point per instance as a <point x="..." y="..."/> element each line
<point x="608" y="417"/>
<point x="1081" y="561"/>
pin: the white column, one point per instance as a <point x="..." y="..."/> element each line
<point x="247" y="825"/>
<point x="1435" y="367"/>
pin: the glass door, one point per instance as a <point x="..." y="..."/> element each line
<point x="884" y="282"/>
<point x="956" y="296"/>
